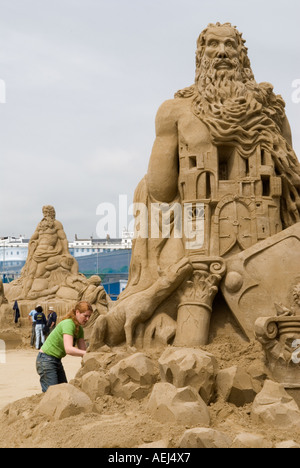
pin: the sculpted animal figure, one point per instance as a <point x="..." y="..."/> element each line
<point x="119" y="324"/>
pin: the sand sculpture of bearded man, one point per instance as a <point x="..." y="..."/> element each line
<point x="223" y="146"/>
<point x="49" y="265"/>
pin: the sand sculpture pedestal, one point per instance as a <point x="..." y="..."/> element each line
<point x="280" y="338"/>
<point x="195" y="308"/>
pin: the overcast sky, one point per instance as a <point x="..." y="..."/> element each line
<point x="84" y="80"/>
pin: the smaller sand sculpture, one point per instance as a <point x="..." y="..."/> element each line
<point x="51" y="272"/>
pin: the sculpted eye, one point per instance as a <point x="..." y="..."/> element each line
<point x="229" y="45"/>
<point x="213" y="43"/>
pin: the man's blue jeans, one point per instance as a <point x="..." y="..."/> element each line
<point x="50" y="370"/>
<point x="39" y="336"/>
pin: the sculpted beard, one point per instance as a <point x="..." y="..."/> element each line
<point x="46" y="223"/>
<point x="244" y="114"/>
<point x="231" y="103"/>
<point x="216" y="86"/>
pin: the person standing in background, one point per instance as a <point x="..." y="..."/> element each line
<point x="41" y="321"/>
<point x="33" y="322"/>
<point x="52" y="318"/>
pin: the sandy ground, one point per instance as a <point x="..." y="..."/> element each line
<point x="18" y="376"/>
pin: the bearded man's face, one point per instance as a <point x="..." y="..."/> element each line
<point x="49" y="212"/>
<point x="220" y="74"/>
<point x="221" y="47"/>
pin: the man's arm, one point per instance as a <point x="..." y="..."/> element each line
<point x="70" y="349"/>
<point x="62" y="236"/>
<point x="162" y="176"/>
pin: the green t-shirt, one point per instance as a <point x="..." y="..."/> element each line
<point x="54" y="344"/>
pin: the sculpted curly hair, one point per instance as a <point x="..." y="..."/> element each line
<point x="243" y="51"/>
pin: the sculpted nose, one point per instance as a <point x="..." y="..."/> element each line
<point x="222" y="52"/>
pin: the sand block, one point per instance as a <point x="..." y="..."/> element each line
<point x="182" y="406"/>
<point x="274" y="406"/>
<point x="235" y="386"/>
<point x="95" y="384"/>
<point x="62" y="401"/>
<point x="133" y="377"/>
<point x="202" y="437"/>
<point x="249" y="440"/>
<point x="184" y="367"/>
<point x="287" y="444"/>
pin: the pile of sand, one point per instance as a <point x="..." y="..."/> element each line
<point x="115" y="422"/>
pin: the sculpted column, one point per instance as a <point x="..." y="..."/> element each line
<point x="194" y="311"/>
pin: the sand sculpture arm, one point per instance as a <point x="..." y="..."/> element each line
<point x="62" y="236"/>
<point x="162" y="176"/>
<point x="35" y="235"/>
<point x="33" y="242"/>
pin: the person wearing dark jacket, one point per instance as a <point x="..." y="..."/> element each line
<point x="40" y="321"/>
<point x="52" y="318"/>
<point x="16" y="312"/>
